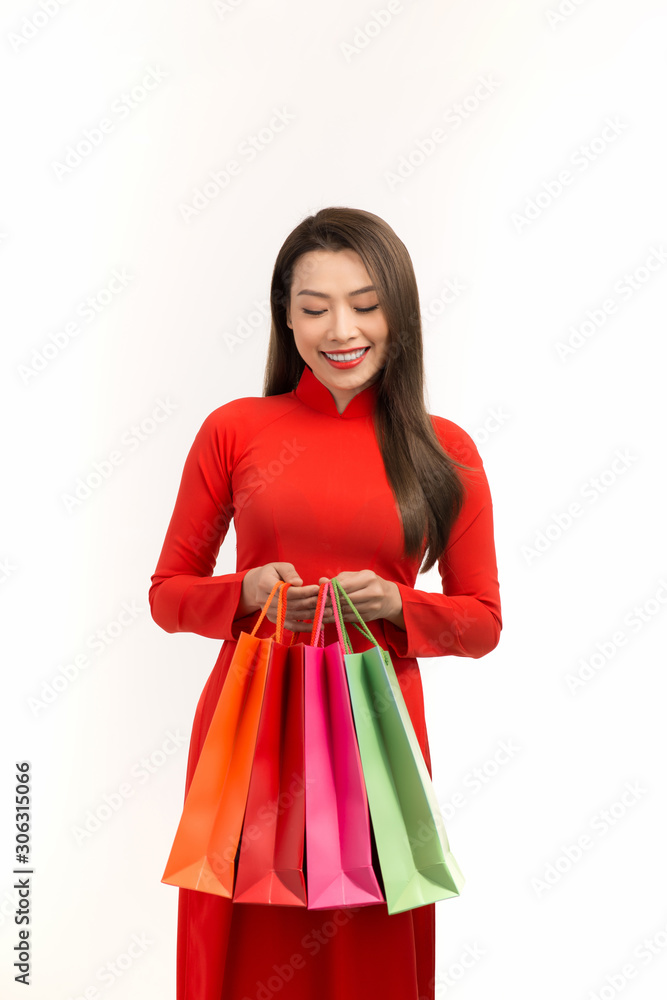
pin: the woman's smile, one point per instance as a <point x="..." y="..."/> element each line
<point x="346" y="359"/>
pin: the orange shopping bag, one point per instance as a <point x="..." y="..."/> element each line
<point x="206" y="842"/>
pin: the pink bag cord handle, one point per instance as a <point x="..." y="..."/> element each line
<point x="327" y="590"/>
<point x="317" y="632"/>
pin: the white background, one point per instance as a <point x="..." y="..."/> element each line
<point x="541" y="920"/>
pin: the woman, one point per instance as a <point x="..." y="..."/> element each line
<point x="337" y="470"/>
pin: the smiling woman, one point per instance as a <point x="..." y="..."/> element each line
<point x="336" y="471"/>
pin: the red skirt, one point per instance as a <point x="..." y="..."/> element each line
<point x="241" y="951"/>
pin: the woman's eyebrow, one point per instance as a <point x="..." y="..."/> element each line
<point x="323" y="295"/>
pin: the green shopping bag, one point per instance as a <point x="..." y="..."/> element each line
<point x="415" y="859"/>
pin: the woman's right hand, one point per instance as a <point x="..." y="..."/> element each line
<point x="300" y="601"/>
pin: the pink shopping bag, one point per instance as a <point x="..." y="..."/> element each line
<point x="338" y="832"/>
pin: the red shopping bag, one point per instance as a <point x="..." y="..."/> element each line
<point x="206" y="842"/>
<point x="270" y="864"/>
<point x="338" y="833"/>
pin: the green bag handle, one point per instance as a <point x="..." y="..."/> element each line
<point x="337" y="590"/>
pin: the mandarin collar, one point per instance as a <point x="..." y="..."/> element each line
<point x="315" y="394"/>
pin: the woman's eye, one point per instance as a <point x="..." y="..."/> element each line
<point x="314" y="312"/>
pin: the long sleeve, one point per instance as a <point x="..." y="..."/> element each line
<point x="184" y="595"/>
<point x="465" y="620"/>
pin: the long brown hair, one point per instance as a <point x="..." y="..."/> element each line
<point x="429" y="492"/>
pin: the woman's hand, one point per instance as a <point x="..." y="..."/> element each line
<point x="372" y="596"/>
<point x="300" y="601"/>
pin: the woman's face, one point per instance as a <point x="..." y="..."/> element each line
<point x="334" y="313"/>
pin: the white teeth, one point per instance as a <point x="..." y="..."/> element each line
<point x="348" y="356"/>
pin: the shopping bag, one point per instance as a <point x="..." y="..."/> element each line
<point x="271" y="857"/>
<point x="338" y="836"/>
<point x="206" y="842"/>
<point x="415" y="859"/>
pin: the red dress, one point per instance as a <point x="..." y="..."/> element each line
<point x="307" y="485"/>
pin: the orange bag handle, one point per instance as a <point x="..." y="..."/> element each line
<point x="280" y="617"/>
<point x="280" y="623"/>
<point x="266" y="606"/>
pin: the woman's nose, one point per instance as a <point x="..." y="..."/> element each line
<point x="344" y="325"/>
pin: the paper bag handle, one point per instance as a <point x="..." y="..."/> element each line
<point x="317" y="631"/>
<point x="280" y="622"/>
<point x="344" y="638"/>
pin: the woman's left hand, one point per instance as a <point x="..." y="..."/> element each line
<point x="372" y="596"/>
